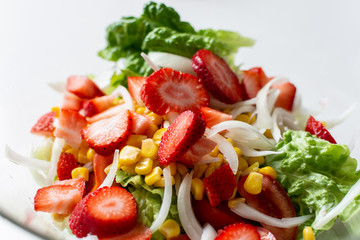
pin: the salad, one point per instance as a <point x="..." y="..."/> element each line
<point x="183" y="143"/>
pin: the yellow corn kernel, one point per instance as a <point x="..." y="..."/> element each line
<point x="182" y="169"/>
<point x="155" y="118"/>
<point x="144" y="166"/>
<point x="243" y="164"/>
<point x="70" y="150"/>
<point x="82" y="154"/>
<point x="238" y="151"/>
<point x="90" y="154"/>
<point x="209" y="170"/>
<point x="199" y="170"/>
<point x="149" y="149"/>
<point x="107" y="169"/>
<point x="161" y="182"/>
<point x="243" y="118"/>
<point x="80" y="172"/>
<point x="214" y="152"/>
<point x="268" y="171"/>
<point x="197" y="188"/>
<point x="233" y="202"/>
<point x="56" y="110"/>
<point x="231" y="141"/>
<point x="130" y="169"/>
<point x="170" y="229"/>
<point x="252" y="118"/>
<point x="136" y="140"/>
<point x="253" y="183"/>
<point x="129" y="155"/>
<point x="259" y="159"/>
<point x="172" y="167"/>
<point x="140" y="110"/>
<point x="151" y="130"/>
<point x="221" y="158"/>
<point x="117" y="101"/>
<point x="268" y="133"/>
<point x="308" y="234"/>
<point x="158" y="134"/>
<point x="154" y="176"/>
<point x="57" y="217"/>
<point x="251" y="168"/>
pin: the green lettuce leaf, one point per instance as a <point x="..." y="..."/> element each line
<point x="315" y="173"/>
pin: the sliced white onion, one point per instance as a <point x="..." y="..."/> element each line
<point x="207" y="159"/>
<point x="323" y="218"/>
<point x="217" y="104"/>
<point x="332" y="123"/>
<point x="245" y="211"/>
<point x="166" y="124"/>
<point x="59" y="86"/>
<point x="102" y="80"/>
<point x="89" y="166"/>
<point x="109" y="179"/>
<point x="250" y="152"/>
<point x="271" y="98"/>
<point x="124" y="93"/>
<point x="58" y="145"/>
<point x="166" y="202"/>
<point x="176" y="62"/>
<point x="226" y="148"/>
<point x="242" y="109"/>
<point x="209" y="233"/>
<point x="28" y="162"/>
<point x="39" y="177"/>
<point x="284" y="118"/>
<point x="153" y="65"/>
<point x="186" y="214"/>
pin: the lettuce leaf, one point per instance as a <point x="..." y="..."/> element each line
<point x="315" y="173"/>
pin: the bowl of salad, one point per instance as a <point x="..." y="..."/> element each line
<point x="186" y="122"/>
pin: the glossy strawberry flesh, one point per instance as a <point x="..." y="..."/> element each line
<point x="45" y="125"/>
<point x="66" y="164"/>
<point x="286" y="96"/>
<point x="97" y="105"/>
<point x="238" y="231"/>
<point x="213" y="117"/>
<point x="141" y="123"/>
<point x="83" y="87"/>
<point x="317" y="128"/>
<point x="139" y="232"/>
<point x="134" y="86"/>
<point x="78" y="183"/>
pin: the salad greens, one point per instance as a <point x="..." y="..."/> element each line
<point x="315" y="173"/>
<point x="160" y="28"/>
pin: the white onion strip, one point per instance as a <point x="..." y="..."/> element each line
<point x="250" y="152"/>
<point x="151" y="63"/>
<point x="165" y="206"/>
<point x="124" y="93"/>
<point x="332" y="123"/>
<point x="207" y="159"/>
<point x="109" y="179"/>
<point x="28" y="162"/>
<point x="216" y="103"/>
<point x="173" y="61"/>
<point x="58" y="145"/>
<point x="209" y="233"/>
<point x="242" y="109"/>
<point x="245" y="211"/>
<point x="322" y="219"/>
<point x="186" y="214"/>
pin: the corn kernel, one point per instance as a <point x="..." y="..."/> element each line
<point x="268" y="133"/>
<point x="82" y="154"/>
<point x="268" y="171"/>
<point x="90" y="154"/>
<point x="231" y="141"/>
<point x="70" y="150"/>
<point x="151" y="130"/>
<point x="107" y="169"/>
<point x="149" y="149"/>
<point x="221" y="158"/>
<point x="80" y="172"/>
<point x="253" y="183"/>
<point x="129" y="155"/>
<point x="154" y="176"/>
<point x="158" y="134"/>
<point x="161" y="182"/>
<point x="209" y="170"/>
<point x="197" y="188"/>
<point x="56" y="110"/>
<point x="238" y="151"/>
<point x="117" y="101"/>
<point x="214" y="152"/>
<point x="155" y="118"/>
<point x="243" y="164"/>
<point x="233" y="202"/>
<point x="243" y="118"/>
<point x="259" y="159"/>
<point x="57" y="217"/>
<point x="251" y="168"/>
<point x="182" y="169"/>
<point x="144" y="166"/>
<point x="252" y="118"/>
<point x="140" y="110"/>
<point x="170" y="229"/>
<point x="130" y="169"/>
<point x="308" y="234"/>
<point x="172" y="167"/>
<point x="136" y="140"/>
<point x="199" y="170"/>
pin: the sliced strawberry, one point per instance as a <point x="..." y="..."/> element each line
<point x="252" y="81"/>
<point x="181" y="237"/>
<point x="97" y="105"/>
<point x="265" y="234"/>
<point x="213" y="117"/>
<point x="72" y="102"/>
<point x="317" y="128"/>
<point x="220" y="185"/>
<point x="217" y="76"/>
<point x="167" y="90"/>
<point x="139" y="232"/>
<point x="202" y="147"/>
<point x="83" y="87"/>
<point x="286" y="97"/>
<point x="140" y="123"/>
<point x="45" y="125"/>
<point x="106" y="212"/>
<point x="67" y="162"/>
<point x="134" y="87"/>
<point x="181" y="135"/>
<point x="78" y="183"/>
<point x="57" y="199"/>
<point x="100" y="163"/>
<point x="106" y="135"/>
<point x="108" y="113"/>
<point x="238" y="231"/>
<point x="70" y="124"/>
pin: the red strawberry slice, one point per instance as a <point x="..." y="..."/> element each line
<point x="83" y="87"/>
<point x="140" y="123"/>
<point x="181" y="135"/>
<point x="217" y="76"/>
<point x="220" y="185"/>
<point x="139" y="232"/>
<point x="57" y="199"/>
<point x="45" y="125"/>
<point x="202" y="147"/>
<point x="167" y="90"/>
<point x="70" y="124"/>
<point x="134" y="87"/>
<point x="213" y="117"/>
<point x="317" y="128"/>
<point x="238" y="231"/>
<point x="106" y="135"/>
<point x="100" y="163"/>
<point x="252" y="81"/>
<point x="78" y="183"/>
<point x="108" y="113"/>
<point x="286" y="97"/>
<point x="106" y="212"/>
<point x="67" y="162"/>
<point x="97" y="105"/>
<point x="72" y="102"/>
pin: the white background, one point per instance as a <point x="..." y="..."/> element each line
<point x="314" y="43"/>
